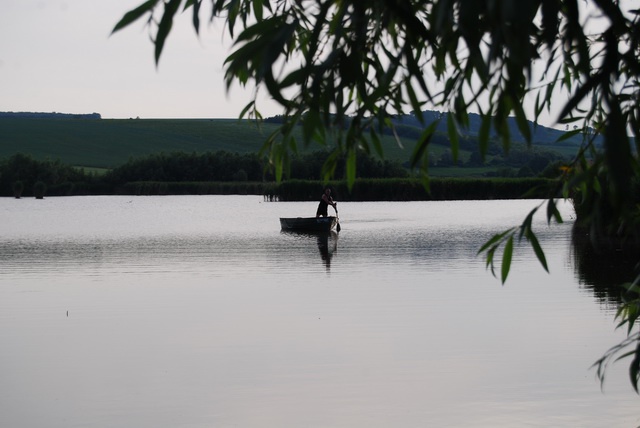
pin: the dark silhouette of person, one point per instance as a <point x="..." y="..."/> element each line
<point x="325" y="201"/>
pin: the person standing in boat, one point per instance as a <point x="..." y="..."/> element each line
<point x="325" y="201"/>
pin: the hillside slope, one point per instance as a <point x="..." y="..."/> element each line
<point x="111" y="142"/>
<point x="106" y="143"/>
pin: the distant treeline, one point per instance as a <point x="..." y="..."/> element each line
<point x="520" y="161"/>
<point x="52" y="115"/>
<point x="20" y="172"/>
<point x="381" y="189"/>
<point x="225" y="166"/>
<point x="179" y="166"/>
<point x="228" y="166"/>
<point x="21" y="175"/>
<point x="232" y="173"/>
<point x="412" y="189"/>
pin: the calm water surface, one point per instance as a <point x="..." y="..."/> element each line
<point x="199" y="312"/>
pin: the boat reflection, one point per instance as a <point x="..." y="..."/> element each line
<point x="327" y="243"/>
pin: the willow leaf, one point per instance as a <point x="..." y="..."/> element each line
<point x="375" y="141"/>
<point x="483" y="135"/>
<point x="568" y="134"/>
<point x="164" y="27"/>
<point x="135" y="14"/>
<point x="351" y="167"/>
<point x="420" y="149"/>
<point x="552" y="212"/>
<point x="246" y="109"/>
<point x="195" y="19"/>
<point x="537" y="249"/>
<point x="521" y="121"/>
<point x="494" y="240"/>
<point x="453" y="136"/>
<point x="506" y="259"/>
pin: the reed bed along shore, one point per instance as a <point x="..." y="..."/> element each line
<point x="400" y="189"/>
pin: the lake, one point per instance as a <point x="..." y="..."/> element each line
<point x="197" y="311"/>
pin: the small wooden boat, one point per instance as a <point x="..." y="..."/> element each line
<point x="308" y="224"/>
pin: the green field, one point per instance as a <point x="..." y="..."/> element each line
<point x="106" y="143"/>
<point x="101" y="144"/>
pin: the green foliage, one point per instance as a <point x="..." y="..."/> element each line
<point x="179" y="166"/>
<point x="108" y="143"/>
<point x="113" y="142"/>
<point x="627" y="315"/>
<point x="506" y="240"/>
<point x="147" y="188"/>
<point x="411" y="189"/>
<point x="309" y="166"/>
<point x="224" y="166"/>
<point x="611" y="221"/>
<point x="359" y="63"/>
<point x="20" y="173"/>
<point x="352" y="65"/>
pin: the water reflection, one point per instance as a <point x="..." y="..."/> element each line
<point x="327" y="243"/>
<point x="603" y="269"/>
<point x="200" y="305"/>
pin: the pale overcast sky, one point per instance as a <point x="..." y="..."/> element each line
<point x="58" y="55"/>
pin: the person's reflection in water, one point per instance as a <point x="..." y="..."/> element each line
<point x="327" y="244"/>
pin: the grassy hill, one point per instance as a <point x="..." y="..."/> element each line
<point x="110" y="142"/>
<point x="106" y="143"/>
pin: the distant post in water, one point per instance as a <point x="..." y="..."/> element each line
<point x="39" y="189"/>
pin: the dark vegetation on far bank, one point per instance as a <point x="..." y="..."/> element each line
<point x="233" y="173"/>
<point x="412" y="189"/>
<point x="87" y="142"/>
<point x="220" y="156"/>
<point x="178" y="172"/>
